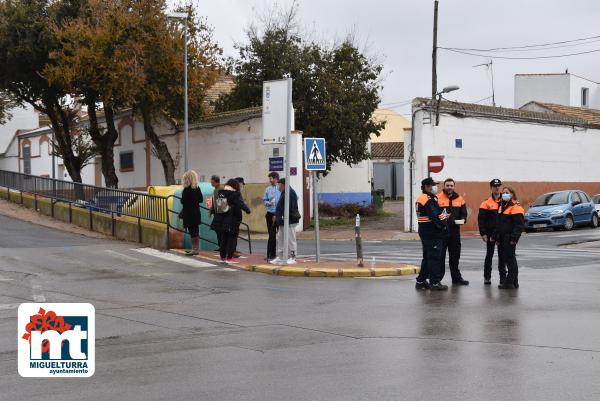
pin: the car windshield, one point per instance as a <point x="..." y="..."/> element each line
<point x="596" y="199"/>
<point x="555" y="198"/>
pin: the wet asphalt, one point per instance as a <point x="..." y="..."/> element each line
<point x="171" y="331"/>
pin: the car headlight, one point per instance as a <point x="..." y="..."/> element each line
<point x="557" y="212"/>
<point x="527" y="214"/>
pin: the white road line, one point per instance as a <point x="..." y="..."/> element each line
<point x="36" y="290"/>
<point x="122" y="256"/>
<point x="9" y="306"/>
<point x="188" y="261"/>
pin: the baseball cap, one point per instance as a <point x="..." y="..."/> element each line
<point x="428" y="181"/>
<point x="495" y="182"/>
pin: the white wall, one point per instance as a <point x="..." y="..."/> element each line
<point x="347" y="184"/>
<point x="515" y="151"/>
<point x="576" y="84"/>
<point x="23" y="118"/>
<point x="554" y="88"/>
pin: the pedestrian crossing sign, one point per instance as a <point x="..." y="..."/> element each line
<point x="314" y="154"/>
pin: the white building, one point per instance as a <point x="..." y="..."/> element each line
<point x="566" y="89"/>
<point x="23" y="119"/>
<point x="532" y="151"/>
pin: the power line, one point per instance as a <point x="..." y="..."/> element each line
<point x="528" y="49"/>
<point x="518" y="58"/>
<point x="526" y="46"/>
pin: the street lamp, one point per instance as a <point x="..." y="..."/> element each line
<point x="446" y="89"/>
<point x="184" y="17"/>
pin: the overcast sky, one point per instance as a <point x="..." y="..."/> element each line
<point x="400" y="33"/>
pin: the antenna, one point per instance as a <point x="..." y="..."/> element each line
<point x="490" y="65"/>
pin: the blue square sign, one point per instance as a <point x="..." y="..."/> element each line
<point x="314" y="154"/>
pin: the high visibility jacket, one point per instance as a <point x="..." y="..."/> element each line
<point x="511" y="220"/>
<point x="488" y="216"/>
<point x="428" y="216"/>
<point x="455" y="205"/>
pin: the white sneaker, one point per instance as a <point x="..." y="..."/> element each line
<point x="291" y="261"/>
<point x="275" y="261"/>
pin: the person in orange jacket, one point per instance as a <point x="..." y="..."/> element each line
<point x="487" y="221"/>
<point x="432" y="228"/>
<point x="454" y="205"/>
<point x="511" y="223"/>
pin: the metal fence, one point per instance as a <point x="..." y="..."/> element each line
<point x="138" y="205"/>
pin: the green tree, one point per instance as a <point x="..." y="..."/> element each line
<point x="335" y="91"/>
<point x="26" y="41"/>
<point x="126" y="53"/>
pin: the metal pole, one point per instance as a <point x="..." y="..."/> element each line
<point x="288" y="154"/>
<point x="185" y="106"/>
<point x="359" y="252"/>
<point x="316" y="216"/>
<point x="53" y="167"/>
<point x="434" y="52"/>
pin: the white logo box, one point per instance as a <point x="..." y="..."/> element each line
<point x="77" y="363"/>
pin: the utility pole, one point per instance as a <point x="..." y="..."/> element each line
<point x="434" y="52"/>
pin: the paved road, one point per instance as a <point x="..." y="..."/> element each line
<point x="181" y="331"/>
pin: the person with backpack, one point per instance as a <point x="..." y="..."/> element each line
<point x="191" y="199"/>
<point x="226" y="223"/>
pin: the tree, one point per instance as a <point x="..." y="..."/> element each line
<point x="126" y="53"/>
<point x="26" y="41"/>
<point x="96" y="61"/>
<point x="335" y="92"/>
<point x="6" y="104"/>
<point x="162" y="94"/>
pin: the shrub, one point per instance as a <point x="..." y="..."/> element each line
<point x="346" y="210"/>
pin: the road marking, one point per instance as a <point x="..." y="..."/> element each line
<point x="184" y="260"/>
<point x="9" y="306"/>
<point x="36" y="289"/>
<point x="122" y="256"/>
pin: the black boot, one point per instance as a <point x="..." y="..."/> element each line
<point x="422" y="285"/>
<point x="460" y="281"/>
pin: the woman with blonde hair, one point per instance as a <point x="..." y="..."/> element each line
<point x="191" y="199"/>
<point x="511" y="223"/>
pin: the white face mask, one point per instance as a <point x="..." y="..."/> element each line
<point x="506" y="197"/>
<point x="434" y="189"/>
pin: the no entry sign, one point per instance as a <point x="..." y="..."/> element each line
<point x="435" y="164"/>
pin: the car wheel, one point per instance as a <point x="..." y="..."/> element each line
<point x="569" y="223"/>
<point x="595" y="221"/>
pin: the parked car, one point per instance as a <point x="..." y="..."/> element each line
<point x="596" y="202"/>
<point x="561" y="210"/>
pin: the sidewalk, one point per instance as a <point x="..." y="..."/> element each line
<point x="310" y="268"/>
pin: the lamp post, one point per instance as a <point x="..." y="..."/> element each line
<point x="446" y="89"/>
<point x="184" y="17"/>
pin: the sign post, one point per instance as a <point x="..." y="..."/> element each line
<point x="277" y="127"/>
<point x="315" y="160"/>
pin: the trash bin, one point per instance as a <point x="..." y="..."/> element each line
<point x="378" y="197"/>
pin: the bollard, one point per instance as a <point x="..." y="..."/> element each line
<point x="359" y="253"/>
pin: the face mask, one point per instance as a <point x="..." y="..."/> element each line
<point x="506" y="197"/>
<point x="434" y="189"/>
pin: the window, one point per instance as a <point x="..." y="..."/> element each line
<point x="575" y="199"/>
<point x="584" y="197"/>
<point x="585" y="97"/>
<point x="126" y="160"/>
<point x="27" y="159"/>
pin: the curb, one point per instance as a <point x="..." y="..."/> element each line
<point x="318" y="271"/>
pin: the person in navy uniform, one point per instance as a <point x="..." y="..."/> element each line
<point x="432" y="230"/>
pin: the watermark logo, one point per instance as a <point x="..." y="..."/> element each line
<point x="56" y="340"/>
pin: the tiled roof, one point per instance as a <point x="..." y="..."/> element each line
<point x="224" y="85"/>
<point x="387" y="150"/>
<point x="226" y="117"/>
<point x="590" y="116"/>
<point x="478" y="110"/>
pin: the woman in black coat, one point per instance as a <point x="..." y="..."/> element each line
<point x="226" y="223"/>
<point x="191" y="199"/>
